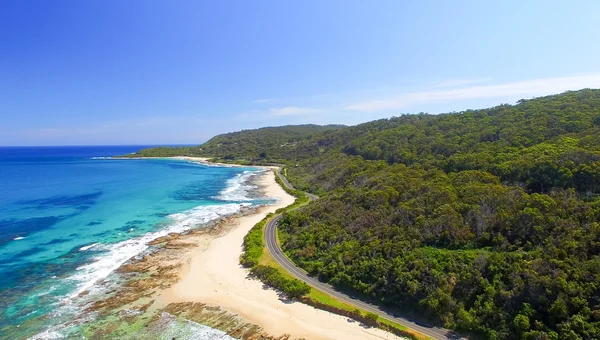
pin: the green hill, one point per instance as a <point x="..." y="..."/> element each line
<point x="484" y="220"/>
<point x="265" y="144"/>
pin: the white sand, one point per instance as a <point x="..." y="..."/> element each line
<point x="204" y="160"/>
<point x="214" y="276"/>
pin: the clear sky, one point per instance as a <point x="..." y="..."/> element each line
<point x="146" y="72"/>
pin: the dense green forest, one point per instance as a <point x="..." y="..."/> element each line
<point x="249" y="145"/>
<point x="484" y="220"/>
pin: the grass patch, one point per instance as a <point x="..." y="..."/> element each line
<point x="393" y="324"/>
<point x="325" y="298"/>
<point x="267" y="260"/>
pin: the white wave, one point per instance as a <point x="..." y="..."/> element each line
<point x="211" y="164"/>
<point x="18" y="238"/>
<point x="101" y="158"/>
<point x="46" y="292"/>
<point x="116" y="254"/>
<point x="238" y="187"/>
<point x="88" y="246"/>
<point x="186" y="329"/>
<point x="48" y="335"/>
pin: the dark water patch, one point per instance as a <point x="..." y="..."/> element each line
<point x="56" y="241"/>
<point x="93" y="223"/>
<point x="27" y="252"/>
<point x="6" y="261"/>
<point x="103" y="233"/>
<point x="74" y="235"/>
<point x="162" y="214"/>
<point x="9" y="229"/>
<point x="186" y="165"/>
<point x="131" y="225"/>
<point x="82" y="207"/>
<point x="80" y="202"/>
<point x="197" y="191"/>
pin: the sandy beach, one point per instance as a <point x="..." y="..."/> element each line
<point x="212" y="275"/>
<point x="205" y="160"/>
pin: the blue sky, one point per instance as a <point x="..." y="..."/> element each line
<point x="146" y="72"/>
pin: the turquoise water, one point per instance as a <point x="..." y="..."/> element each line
<point x="69" y="217"/>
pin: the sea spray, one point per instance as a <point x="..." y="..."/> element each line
<point x="238" y="188"/>
<point x="112" y="256"/>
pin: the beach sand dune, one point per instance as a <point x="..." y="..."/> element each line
<point x="213" y="275"/>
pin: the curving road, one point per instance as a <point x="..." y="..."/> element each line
<point x="279" y="256"/>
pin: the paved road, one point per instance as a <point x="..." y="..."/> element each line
<point x="277" y="253"/>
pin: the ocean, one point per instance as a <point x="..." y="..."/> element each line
<point x="69" y="216"/>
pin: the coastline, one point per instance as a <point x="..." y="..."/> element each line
<point x="205" y="161"/>
<point x="196" y="276"/>
<point x="200" y="160"/>
<point x="214" y="276"/>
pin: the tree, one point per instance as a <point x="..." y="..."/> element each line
<point x="521" y="322"/>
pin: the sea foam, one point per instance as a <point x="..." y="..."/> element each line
<point x="88" y="247"/>
<point x="185" y="329"/>
<point x="114" y="255"/>
<point x="238" y="188"/>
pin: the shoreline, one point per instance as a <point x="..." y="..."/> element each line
<point x="205" y="161"/>
<point x="201" y="160"/>
<point x="214" y="276"/>
<point x="199" y="270"/>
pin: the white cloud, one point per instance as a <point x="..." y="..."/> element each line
<point x="266" y="100"/>
<point x="521" y="89"/>
<point x="294" y="111"/>
<point x="460" y="82"/>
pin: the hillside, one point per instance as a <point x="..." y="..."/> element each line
<point x="484" y="220"/>
<point x="269" y="143"/>
<point x="541" y="143"/>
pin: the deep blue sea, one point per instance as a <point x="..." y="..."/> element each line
<point x="69" y="217"/>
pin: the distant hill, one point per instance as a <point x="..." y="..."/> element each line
<point x="485" y="220"/>
<point x="251" y="145"/>
<point x="268" y="142"/>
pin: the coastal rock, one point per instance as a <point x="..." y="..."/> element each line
<point x="135" y="267"/>
<point x="163" y="239"/>
<point x="179" y="245"/>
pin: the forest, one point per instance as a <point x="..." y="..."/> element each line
<point x="251" y="145"/>
<point x="485" y="221"/>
